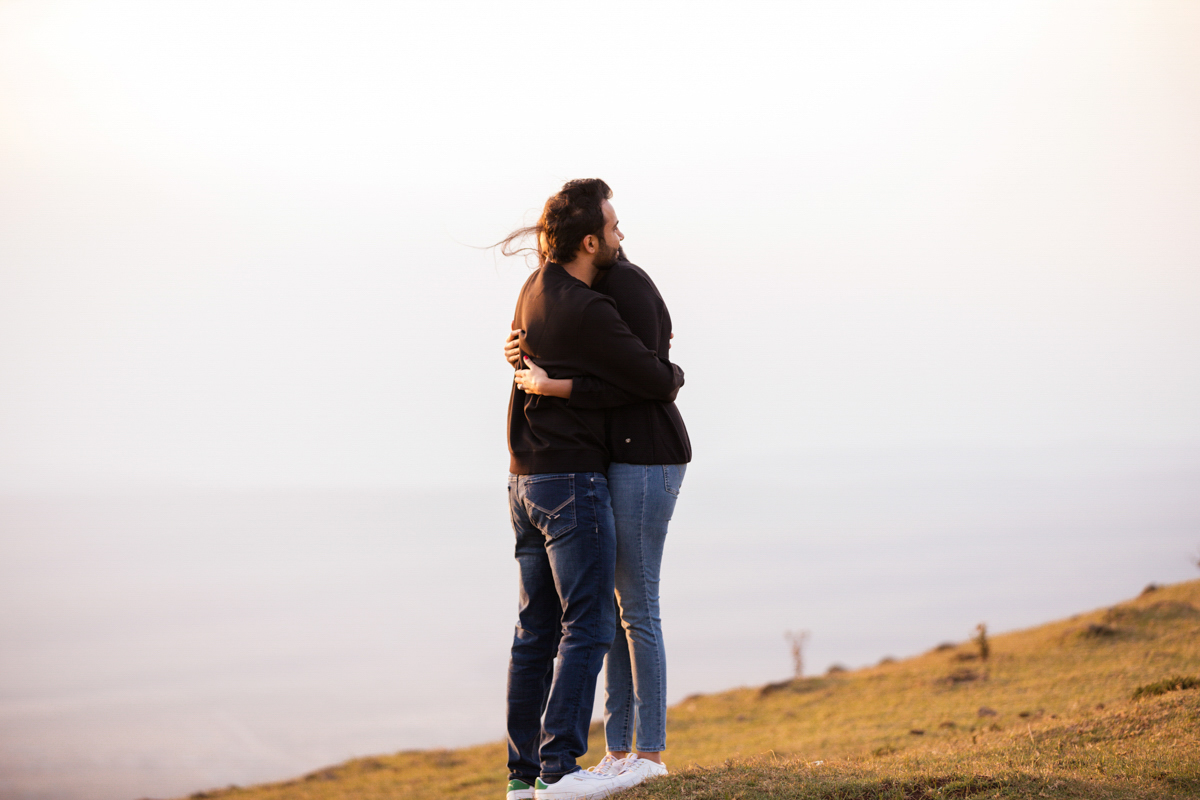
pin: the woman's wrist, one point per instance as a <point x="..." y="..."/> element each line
<point x="556" y="387"/>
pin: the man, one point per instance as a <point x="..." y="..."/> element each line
<point x="649" y="452"/>
<point x="558" y="493"/>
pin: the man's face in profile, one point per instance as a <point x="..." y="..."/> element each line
<point x="610" y="244"/>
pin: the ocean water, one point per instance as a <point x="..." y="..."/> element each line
<point x="154" y="644"/>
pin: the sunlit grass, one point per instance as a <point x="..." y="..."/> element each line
<point x="1049" y="714"/>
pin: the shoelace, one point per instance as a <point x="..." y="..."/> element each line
<point x="628" y="764"/>
<point x="609" y="766"/>
<point x="588" y="774"/>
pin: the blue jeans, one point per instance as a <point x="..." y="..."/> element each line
<point x="566" y="552"/>
<point x="643" y="499"/>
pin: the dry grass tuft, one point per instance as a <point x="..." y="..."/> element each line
<point x="1176" y="684"/>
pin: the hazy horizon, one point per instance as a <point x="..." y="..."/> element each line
<point x="163" y="642"/>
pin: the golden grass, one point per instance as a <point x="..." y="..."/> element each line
<point x="1049" y="714"/>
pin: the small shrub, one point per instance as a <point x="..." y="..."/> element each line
<point x="796" y="640"/>
<point x="330" y="774"/>
<point x="1175" y="684"/>
<point x="836" y="669"/>
<point x="982" y="641"/>
<point x="1098" y="630"/>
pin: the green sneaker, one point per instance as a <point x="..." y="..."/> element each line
<point x="519" y="790"/>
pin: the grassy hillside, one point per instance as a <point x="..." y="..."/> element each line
<point x="1050" y="713"/>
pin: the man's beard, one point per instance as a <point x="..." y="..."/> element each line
<point x="606" y="257"/>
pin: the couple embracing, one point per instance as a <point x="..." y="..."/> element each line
<point x="598" y="454"/>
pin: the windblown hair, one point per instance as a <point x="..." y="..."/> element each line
<point x="568" y="217"/>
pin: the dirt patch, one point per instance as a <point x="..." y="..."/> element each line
<point x="795" y="686"/>
<point x="1099" y="631"/>
<point x="961" y="675"/>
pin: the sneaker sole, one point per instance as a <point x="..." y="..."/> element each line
<point x="640" y="779"/>
<point x="597" y="794"/>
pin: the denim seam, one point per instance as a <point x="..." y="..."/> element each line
<point x="576" y="690"/>
<point x="550" y="512"/>
<point x="626" y="719"/>
<point x="570" y="501"/>
<point x="591" y="496"/>
<point x="673" y="491"/>
<point x="655" y="645"/>
<point x="547" y="476"/>
<point x="631" y="701"/>
<point x="627" y="713"/>
<point x="631" y="713"/>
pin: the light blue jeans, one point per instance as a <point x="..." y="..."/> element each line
<point x="643" y="500"/>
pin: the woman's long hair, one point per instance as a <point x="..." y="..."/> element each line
<point x="569" y="216"/>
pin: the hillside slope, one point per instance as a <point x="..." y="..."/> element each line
<point x="1050" y="713"/>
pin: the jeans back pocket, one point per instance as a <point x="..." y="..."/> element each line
<point x="673" y="478"/>
<point x="550" y="501"/>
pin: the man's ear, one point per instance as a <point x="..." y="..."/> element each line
<point x="591" y="243"/>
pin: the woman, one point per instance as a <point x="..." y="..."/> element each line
<point x="650" y="450"/>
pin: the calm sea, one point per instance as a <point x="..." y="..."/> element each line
<point x="155" y="644"/>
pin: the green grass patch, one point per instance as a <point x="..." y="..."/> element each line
<point x="1176" y="684"/>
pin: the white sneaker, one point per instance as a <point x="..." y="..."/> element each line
<point x="636" y="770"/>
<point x="609" y="765"/>
<point x="578" y="785"/>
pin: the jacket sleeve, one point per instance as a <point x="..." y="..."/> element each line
<point x="612" y="353"/>
<point x="589" y="392"/>
<point x="638" y="303"/>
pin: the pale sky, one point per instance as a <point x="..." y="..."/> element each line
<point x="236" y="238"/>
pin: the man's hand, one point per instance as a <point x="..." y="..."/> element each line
<point x="512" y="348"/>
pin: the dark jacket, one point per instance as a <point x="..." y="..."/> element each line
<point x="638" y="431"/>
<point x="572" y="331"/>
